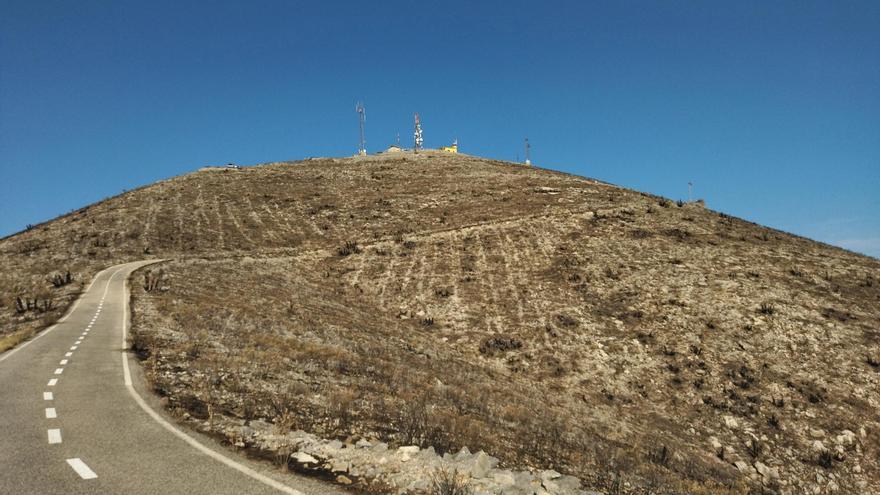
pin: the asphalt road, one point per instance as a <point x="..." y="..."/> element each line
<point x="75" y="417"/>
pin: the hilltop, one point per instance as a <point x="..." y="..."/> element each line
<point x="551" y="320"/>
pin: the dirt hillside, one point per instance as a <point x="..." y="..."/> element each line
<point x="553" y="321"/>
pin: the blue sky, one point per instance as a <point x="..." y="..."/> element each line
<point x="772" y="109"/>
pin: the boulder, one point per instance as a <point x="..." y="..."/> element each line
<point x="502" y="477"/>
<point x="564" y="485"/>
<point x="478" y="465"/>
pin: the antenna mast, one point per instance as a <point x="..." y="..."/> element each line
<point x="362" y="117"/>
<point x="418" y="134"/>
<point x="528" y="152"/>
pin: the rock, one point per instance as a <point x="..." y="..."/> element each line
<point x="769" y="474"/>
<point x="549" y="475"/>
<point x="731" y="422"/>
<point x="379" y="447"/>
<point x="743" y="467"/>
<point x="409" y="449"/>
<point x="818" y="446"/>
<point x="716" y="445"/>
<point x="303" y="458"/>
<point x="564" y="485"/>
<point x="846" y="437"/>
<point x="363" y="444"/>
<point x="462" y="454"/>
<point x="478" y="465"/>
<point x="502" y="477"/>
<point x="343" y="480"/>
<point x="339" y="466"/>
<point x="334" y="444"/>
<point x="546" y="190"/>
<point x="817" y="433"/>
<point x="832" y="487"/>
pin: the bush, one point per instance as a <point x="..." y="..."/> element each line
<point x="492" y="345"/>
<point x="445" y="482"/>
<point x="350" y="247"/>
<point x="767" y="309"/>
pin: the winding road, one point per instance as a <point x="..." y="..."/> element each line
<point x="77" y="419"/>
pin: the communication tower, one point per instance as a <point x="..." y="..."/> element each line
<point x="528" y="152"/>
<point x="418" y="134"/>
<point x="362" y="117"/>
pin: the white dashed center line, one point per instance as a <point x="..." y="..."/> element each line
<point x="52" y="382"/>
<point x="68" y="354"/>
<point x="50" y="413"/>
<point x="81" y="469"/>
<point x="58" y="371"/>
<point x="63" y="362"/>
<point x="55" y="435"/>
<point x="73" y="348"/>
<point x="48" y="396"/>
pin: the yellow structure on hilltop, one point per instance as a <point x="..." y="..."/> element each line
<point x="451" y="149"/>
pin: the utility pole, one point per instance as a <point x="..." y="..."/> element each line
<point x="362" y="117"/>
<point x="528" y="152"/>
<point x="418" y="134"/>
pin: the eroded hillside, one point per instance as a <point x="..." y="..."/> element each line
<point x="452" y="301"/>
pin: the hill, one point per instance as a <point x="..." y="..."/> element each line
<point x="551" y="320"/>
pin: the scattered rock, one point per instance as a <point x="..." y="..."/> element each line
<point x="303" y="458"/>
<point x="731" y="422"/>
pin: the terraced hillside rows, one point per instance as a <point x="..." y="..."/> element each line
<point x="551" y="320"/>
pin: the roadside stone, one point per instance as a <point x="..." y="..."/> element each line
<point x="502" y="477"/>
<point x="564" y="485"/>
<point x="343" y="480"/>
<point x="363" y="444"/>
<point x="549" y="474"/>
<point x="303" y="458"/>
<point x="479" y="464"/>
<point x="339" y="466"/>
<point x="817" y="433"/>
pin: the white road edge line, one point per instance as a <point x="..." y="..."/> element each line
<point x="54" y="435"/>
<point x="81" y="469"/>
<point x="61" y="320"/>
<point x="50" y="413"/>
<point x="168" y="426"/>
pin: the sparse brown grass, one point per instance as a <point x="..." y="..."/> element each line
<point x="579" y="329"/>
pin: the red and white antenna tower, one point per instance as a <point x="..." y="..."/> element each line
<point x="362" y="117"/>
<point x="418" y="134"/>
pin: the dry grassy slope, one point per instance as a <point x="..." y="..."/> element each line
<point x="549" y="319"/>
